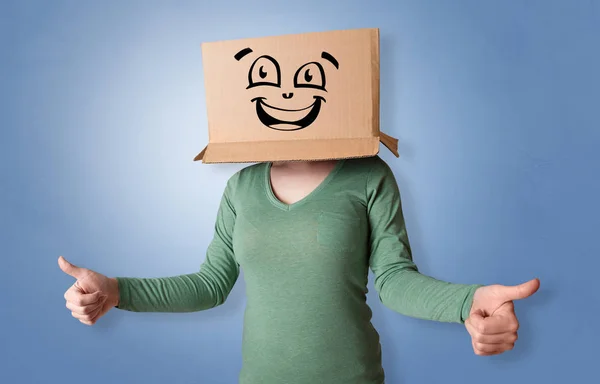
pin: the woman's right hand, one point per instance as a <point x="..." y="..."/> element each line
<point x="92" y="294"/>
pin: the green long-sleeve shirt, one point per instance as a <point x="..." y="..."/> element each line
<point x="306" y="268"/>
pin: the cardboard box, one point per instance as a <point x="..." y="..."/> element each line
<point x="312" y="96"/>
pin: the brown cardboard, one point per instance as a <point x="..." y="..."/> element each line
<point x="311" y="96"/>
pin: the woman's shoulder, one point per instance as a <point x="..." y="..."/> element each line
<point x="373" y="165"/>
<point x="249" y="174"/>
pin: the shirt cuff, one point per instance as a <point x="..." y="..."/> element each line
<point x="468" y="302"/>
<point x="124" y="293"/>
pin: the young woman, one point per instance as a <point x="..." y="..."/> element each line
<point x="306" y="234"/>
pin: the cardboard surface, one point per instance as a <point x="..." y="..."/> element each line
<point x="311" y="96"/>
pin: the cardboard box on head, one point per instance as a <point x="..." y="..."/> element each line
<point x="312" y="96"/>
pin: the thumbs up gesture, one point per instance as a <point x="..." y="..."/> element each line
<point x="492" y="322"/>
<point x="92" y="294"/>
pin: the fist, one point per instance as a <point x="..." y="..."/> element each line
<point x="92" y="295"/>
<point x="492" y="322"/>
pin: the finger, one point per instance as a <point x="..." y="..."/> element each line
<point x="93" y="317"/>
<point x="500" y="338"/>
<point x="87" y="309"/>
<point x="521" y="291"/>
<point x="478" y="352"/>
<point x="80" y="299"/>
<point x="503" y="338"/>
<point x="492" y="348"/>
<point x="98" y="315"/>
<point x="88" y="317"/>
<point x="493" y="325"/>
<point x="71" y="269"/>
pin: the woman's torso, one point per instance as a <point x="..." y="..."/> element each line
<point x="306" y="268"/>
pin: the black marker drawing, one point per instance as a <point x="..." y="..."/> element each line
<point x="327" y="56"/>
<point x="310" y="75"/>
<point x="238" y="56"/>
<point x="265" y="71"/>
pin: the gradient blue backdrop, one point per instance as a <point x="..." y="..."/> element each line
<point x="496" y="105"/>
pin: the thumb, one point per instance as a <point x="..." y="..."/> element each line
<point x="521" y="291"/>
<point x="69" y="268"/>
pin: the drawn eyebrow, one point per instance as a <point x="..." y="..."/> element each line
<point x="238" y="56"/>
<point x="332" y="59"/>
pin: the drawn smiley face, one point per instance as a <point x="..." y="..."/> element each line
<point x="310" y="77"/>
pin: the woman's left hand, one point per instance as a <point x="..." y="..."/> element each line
<point x="492" y="322"/>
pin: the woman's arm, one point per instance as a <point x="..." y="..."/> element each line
<point x="207" y="288"/>
<point x="400" y="285"/>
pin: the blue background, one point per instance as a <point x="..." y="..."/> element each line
<point x="496" y="105"/>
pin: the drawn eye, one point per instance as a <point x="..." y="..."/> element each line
<point x="307" y="76"/>
<point x="310" y="75"/>
<point x="261" y="72"/>
<point x="264" y="71"/>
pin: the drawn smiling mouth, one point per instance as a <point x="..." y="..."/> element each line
<point x="287" y="119"/>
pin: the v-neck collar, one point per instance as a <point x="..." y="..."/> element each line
<point x="287" y="207"/>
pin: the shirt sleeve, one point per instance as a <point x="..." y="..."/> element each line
<point x="401" y="287"/>
<point x="193" y="292"/>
